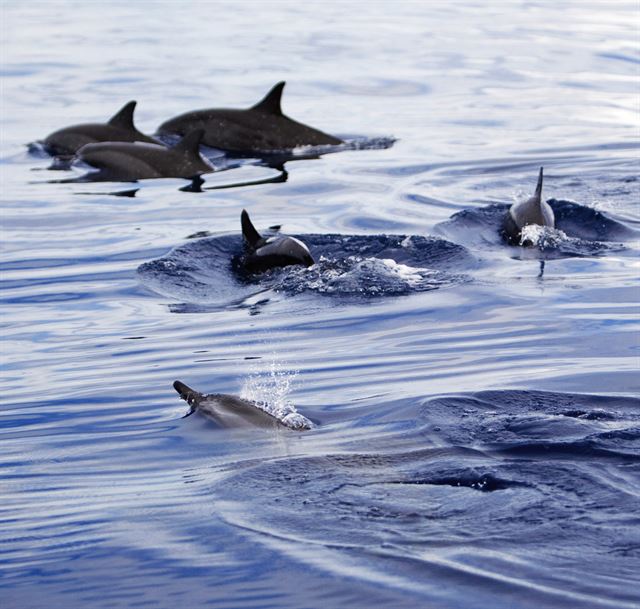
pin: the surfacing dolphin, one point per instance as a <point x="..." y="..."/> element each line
<point x="532" y="211"/>
<point x="271" y="252"/>
<point x="119" y="128"/>
<point x="129" y="162"/>
<point x="233" y="411"/>
<point x="263" y="128"/>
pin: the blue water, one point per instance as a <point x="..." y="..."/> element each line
<point x="477" y="439"/>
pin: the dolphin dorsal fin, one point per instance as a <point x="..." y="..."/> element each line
<point x="271" y="102"/>
<point x="538" y="193"/>
<point x="123" y="118"/>
<point x="249" y="232"/>
<point x="190" y="396"/>
<point x="190" y="143"/>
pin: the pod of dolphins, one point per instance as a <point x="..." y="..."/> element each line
<point x="122" y="153"/>
<point x="126" y="154"/>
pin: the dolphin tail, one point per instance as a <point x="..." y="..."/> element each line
<point x="123" y="118"/>
<point x="190" y="396"/>
<point x="249" y="232"/>
<point x="190" y="143"/>
<point x="271" y="102"/>
<point x="538" y="193"/>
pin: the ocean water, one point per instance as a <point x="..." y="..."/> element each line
<point x="476" y="409"/>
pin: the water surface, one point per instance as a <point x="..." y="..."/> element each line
<point x="478" y="421"/>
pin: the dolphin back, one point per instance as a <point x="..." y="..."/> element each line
<point x="532" y="211"/>
<point x="119" y="128"/>
<point x="226" y="410"/>
<point x="233" y="411"/>
<point x="261" y="128"/>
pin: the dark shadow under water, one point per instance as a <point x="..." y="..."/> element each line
<point x="479" y="494"/>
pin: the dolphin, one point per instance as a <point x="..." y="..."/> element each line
<point x="266" y="253"/>
<point x="132" y="161"/>
<point x="119" y="128"/>
<point x="532" y="211"/>
<point x="263" y="128"/>
<point x="233" y="411"/>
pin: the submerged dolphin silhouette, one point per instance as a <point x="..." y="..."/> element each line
<point x="119" y="128"/>
<point x="261" y="128"/>
<point x="266" y="253"/>
<point x="128" y="162"/>
<point x="233" y="411"/>
<point x="532" y="211"/>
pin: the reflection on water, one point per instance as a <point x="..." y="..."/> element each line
<point x="476" y="444"/>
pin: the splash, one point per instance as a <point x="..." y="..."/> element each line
<point x="542" y="237"/>
<point x="355" y="143"/>
<point x="371" y="266"/>
<point x="369" y="143"/>
<point x="376" y="275"/>
<point x="269" y="390"/>
<point x="355" y="275"/>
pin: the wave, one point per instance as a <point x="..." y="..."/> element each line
<point x="205" y="271"/>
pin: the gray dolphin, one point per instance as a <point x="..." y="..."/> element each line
<point x="119" y="128"/>
<point x="131" y="161"/>
<point x="233" y="411"/>
<point x="266" y="253"/>
<point x="263" y="128"/>
<point x="532" y="211"/>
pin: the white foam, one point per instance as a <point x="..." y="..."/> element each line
<point x="381" y="271"/>
<point x="543" y="237"/>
